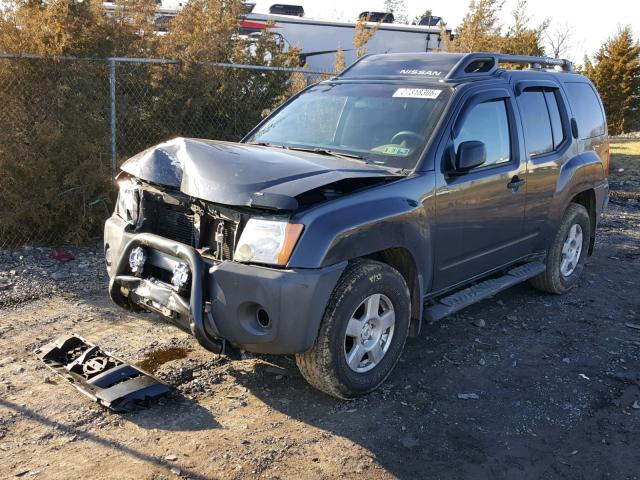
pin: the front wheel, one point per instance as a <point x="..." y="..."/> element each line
<point x="566" y="256"/>
<point x="362" y="333"/>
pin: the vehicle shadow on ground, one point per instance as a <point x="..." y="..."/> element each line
<point x="96" y="439"/>
<point x="522" y="423"/>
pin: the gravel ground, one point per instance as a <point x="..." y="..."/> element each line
<point x="522" y="385"/>
<point x="30" y="273"/>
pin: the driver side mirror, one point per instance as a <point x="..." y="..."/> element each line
<point x="470" y="154"/>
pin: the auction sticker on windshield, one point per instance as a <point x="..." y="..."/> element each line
<point x="430" y="93"/>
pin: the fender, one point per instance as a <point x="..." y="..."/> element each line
<point x="580" y="173"/>
<point x="389" y="216"/>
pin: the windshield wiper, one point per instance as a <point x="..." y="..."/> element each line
<point x="321" y="151"/>
<point x="265" y="144"/>
<point x="325" y="151"/>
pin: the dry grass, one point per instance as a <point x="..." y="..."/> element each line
<point x="625" y="155"/>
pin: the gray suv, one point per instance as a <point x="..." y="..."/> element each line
<point x="402" y="190"/>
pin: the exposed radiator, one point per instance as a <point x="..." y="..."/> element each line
<point x="176" y="225"/>
<point x="177" y="221"/>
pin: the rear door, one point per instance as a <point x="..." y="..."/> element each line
<point x="547" y="137"/>
<point x="479" y="224"/>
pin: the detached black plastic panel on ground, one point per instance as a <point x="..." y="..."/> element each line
<point x="100" y="376"/>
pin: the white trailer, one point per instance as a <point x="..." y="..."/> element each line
<point x="319" y="40"/>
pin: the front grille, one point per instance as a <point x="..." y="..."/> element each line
<point x="176" y="225"/>
<point x="174" y="221"/>
<point x="212" y="230"/>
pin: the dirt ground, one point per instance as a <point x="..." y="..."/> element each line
<point x="557" y="381"/>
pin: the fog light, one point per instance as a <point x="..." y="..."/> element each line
<point x="181" y="275"/>
<point x="137" y="257"/>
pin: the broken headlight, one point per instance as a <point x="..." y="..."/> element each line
<point x="127" y="207"/>
<point x="267" y="241"/>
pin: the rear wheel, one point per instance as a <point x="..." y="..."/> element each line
<point x="362" y="333"/>
<point x="566" y="256"/>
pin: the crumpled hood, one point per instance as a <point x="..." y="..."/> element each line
<point x="241" y="174"/>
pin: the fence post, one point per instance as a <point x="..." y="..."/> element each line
<point x="112" y="89"/>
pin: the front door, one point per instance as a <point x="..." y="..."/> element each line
<point x="480" y="212"/>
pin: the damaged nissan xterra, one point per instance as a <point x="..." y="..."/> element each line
<point x="398" y="192"/>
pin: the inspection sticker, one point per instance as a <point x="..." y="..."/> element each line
<point x="430" y="93"/>
<point x="393" y="150"/>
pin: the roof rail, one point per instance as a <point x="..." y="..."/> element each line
<point x="487" y="63"/>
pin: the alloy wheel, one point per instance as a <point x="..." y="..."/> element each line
<point x="369" y="333"/>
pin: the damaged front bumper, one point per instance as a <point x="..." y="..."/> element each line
<point x="259" y="309"/>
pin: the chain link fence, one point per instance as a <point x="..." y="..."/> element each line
<point x="67" y="123"/>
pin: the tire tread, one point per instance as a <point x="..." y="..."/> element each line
<point x="315" y="365"/>
<point x="548" y="281"/>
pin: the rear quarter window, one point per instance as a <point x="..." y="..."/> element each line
<point x="586" y="109"/>
<point x="537" y="126"/>
<point x="552" y="98"/>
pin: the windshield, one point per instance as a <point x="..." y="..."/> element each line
<point x="383" y="124"/>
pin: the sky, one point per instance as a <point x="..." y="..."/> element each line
<point x="590" y="23"/>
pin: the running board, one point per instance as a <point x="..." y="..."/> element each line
<point x="447" y="305"/>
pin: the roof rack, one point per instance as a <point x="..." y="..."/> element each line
<point x="442" y="66"/>
<point x="487" y="63"/>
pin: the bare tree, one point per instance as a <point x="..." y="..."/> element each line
<point x="559" y="39"/>
<point x="399" y="10"/>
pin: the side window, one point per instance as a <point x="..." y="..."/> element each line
<point x="535" y="121"/>
<point x="488" y="123"/>
<point x="554" y="114"/>
<point x="586" y="109"/>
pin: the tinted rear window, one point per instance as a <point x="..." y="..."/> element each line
<point x="586" y="109"/>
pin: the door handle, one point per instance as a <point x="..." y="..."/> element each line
<point x="515" y="184"/>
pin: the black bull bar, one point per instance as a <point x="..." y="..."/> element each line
<point x="195" y="307"/>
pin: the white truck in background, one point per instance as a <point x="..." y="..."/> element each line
<point x="319" y="40"/>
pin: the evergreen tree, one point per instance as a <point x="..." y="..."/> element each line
<point x="480" y="30"/>
<point x="616" y="74"/>
<point x="521" y="39"/>
<point x="81" y="28"/>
